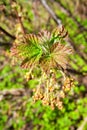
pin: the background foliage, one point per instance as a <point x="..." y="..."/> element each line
<point x="17" y="110"/>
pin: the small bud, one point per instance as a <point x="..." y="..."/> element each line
<point x="52" y="106"/>
<point x="27" y="76"/>
<point x="62" y="94"/>
<point x="51" y="88"/>
<point x="59" y="105"/>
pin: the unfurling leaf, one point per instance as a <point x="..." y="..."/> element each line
<point x="44" y="49"/>
<point x="45" y="52"/>
<point x="27" y="51"/>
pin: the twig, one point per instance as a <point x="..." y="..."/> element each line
<point x="7" y="33"/>
<point x="69" y="13"/>
<point x="56" y="19"/>
<point x="73" y="71"/>
<point x="5" y="44"/>
<point x="15" y="92"/>
<point x="83" y="124"/>
<point x="12" y="92"/>
<point x="20" y="21"/>
<point x="18" y="15"/>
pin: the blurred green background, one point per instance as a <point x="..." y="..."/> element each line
<point x="17" y="110"/>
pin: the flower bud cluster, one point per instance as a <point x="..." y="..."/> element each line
<point x="49" y="96"/>
<point x="27" y="76"/>
<point x="68" y="83"/>
<point x="51" y="93"/>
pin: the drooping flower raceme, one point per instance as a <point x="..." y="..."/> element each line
<point x="47" y="53"/>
